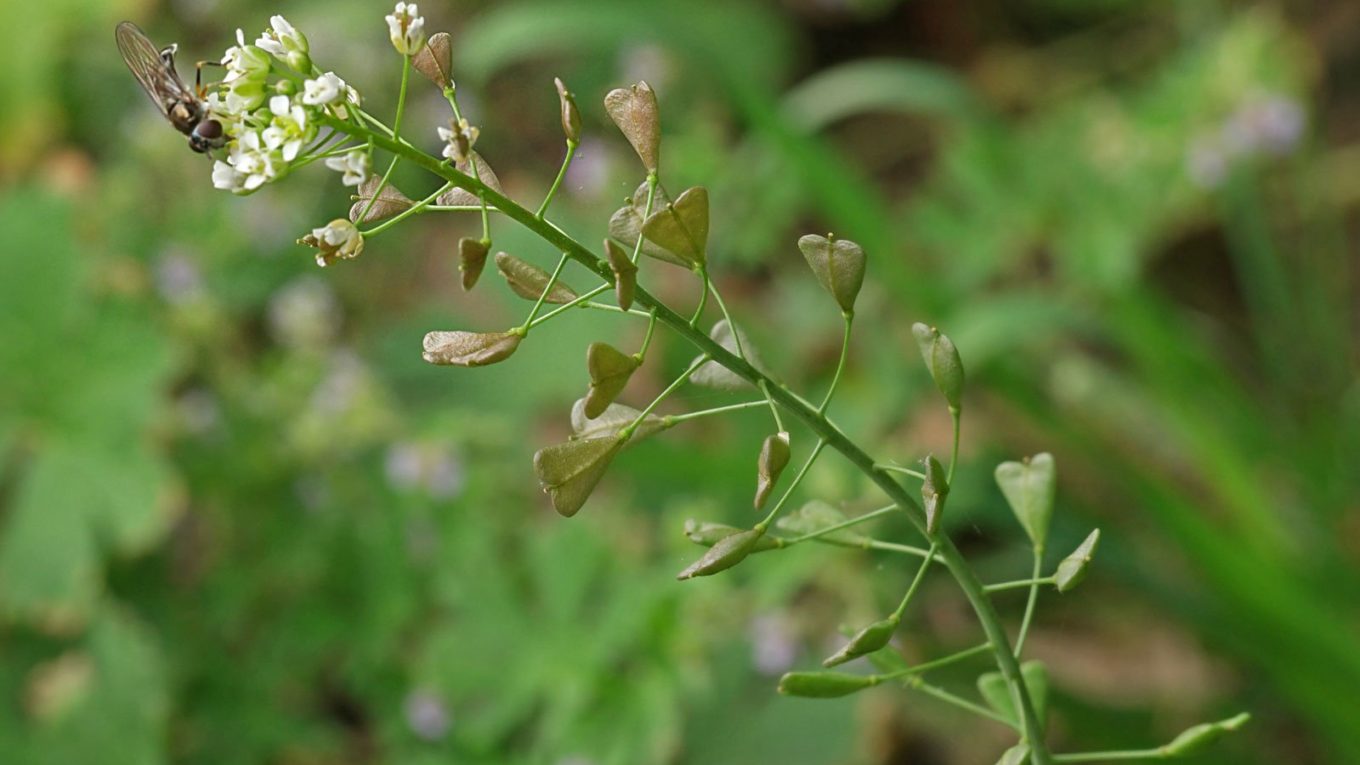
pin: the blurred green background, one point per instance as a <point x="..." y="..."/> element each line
<point x="242" y="522"/>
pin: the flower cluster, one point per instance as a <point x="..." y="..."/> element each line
<point x="271" y="104"/>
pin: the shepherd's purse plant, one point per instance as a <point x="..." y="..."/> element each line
<point x="276" y="110"/>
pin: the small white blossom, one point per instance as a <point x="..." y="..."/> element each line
<point x="228" y="178"/>
<point x="282" y="38"/>
<point x="406" y="28"/>
<point x="256" y="160"/>
<point x="337" y="240"/>
<point x="244" y="61"/>
<point x="354" y="165"/>
<point x="324" y="90"/>
<point x="458" y="138"/>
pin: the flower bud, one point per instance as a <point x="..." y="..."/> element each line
<point x="933" y="492"/>
<point x="285" y="87"/>
<point x="571" y="116"/>
<point x="682" y="227"/>
<point x="726" y="553"/>
<point x="634" y="110"/>
<point x="774" y="456"/>
<point x="570" y="471"/>
<point x="609" y="370"/>
<point x="435" y="60"/>
<point x="1029" y="487"/>
<point x="625" y="273"/>
<point x="470" y="349"/>
<point x="406" y="28"/>
<point x="707" y="533"/>
<point x="471" y="260"/>
<point x="942" y="359"/>
<point x="824" y="685"/>
<point x="866" y="641"/>
<point x="299" y="61"/>
<point x="1200" y="736"/>
<point x="1016" y="755"/>
<point x="1072" y="569"/>
<point x="838" y="264"/>
<point x="529" y="281"/>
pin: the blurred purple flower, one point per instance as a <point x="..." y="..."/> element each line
<point x="773" y="647"/>
<point x="430" y="467"/>
<point x="427" y="715"/>
<point x="304" y="313"/>
<point x="178" y="279"/>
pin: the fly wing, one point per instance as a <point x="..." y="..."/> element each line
<point x="157" y="77"/>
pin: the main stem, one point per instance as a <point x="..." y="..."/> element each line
<point x="963" y="574"/>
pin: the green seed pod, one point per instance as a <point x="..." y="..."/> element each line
<point x="471" y="260"/>
<point x="625" y="225"/>
<point x="569" y="471"/>
<point x="726" y="553"/>
<point x="1016" y="755"/>
<point x="614" y="418"/>
<point x="1196" y="738"/>
<point x="933" y="492"/>
<point x="285" y="87"/>
<point x="707" y="533"/>
<point x="529" y="281"/>
<point x="824" y="685"/>
<point x="774" y="456"/>
<point x="838" y="264"/>
<point x="682" y="227"/>
<point x="470" y="349"/>
<point x="435" y="60"/>
<point x="1072" y="569"/>
<point x="390" y="201"/>
<point x="942" y="359"/>
<point x="711" y="374"/>
<point x="609" y="370"/>
<point x="635" y="111"/>
<point x="997" y="694"/>
<point x="625" y="273"/>
<point x="299" y="61"/>
<point x="866" y="641"/>
<point x="571" y="116"/>
<point x="1029" y="487"/>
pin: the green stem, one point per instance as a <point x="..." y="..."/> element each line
<point x="646" y="211"/>
<point x="954" y="414"/>
<point x="613" y="309"/>
<point x="414" y="209"/>
<point x="774" y="410"/>
<point x="578" y="302"/>
<point x="1017" y="584"/>
<point x="827" y="432"/>
<point x="451" y="95"/>
<point x="869" y="516"/>
<point x="916" y="683"/>
<point x="840" y="365"/>
<point x="647" y="338"/>
<point x="673" y="419"/>
<point x="1033" y="599"/>
<point x="552" y="280"/>
<point x="557" y="182"/>
<point x="797" y="479"/>
<point x="1123" y="754"/>
<point x="396" y="136"/>
<point x="703" y="301"/>
<point x="899" y="469"/>
<point x="627" y="432"/>
<point x="736" y="337"/>
<point x="934" y="664"/>
<point x="915" y="585"/>
<point x="457" y="208"/>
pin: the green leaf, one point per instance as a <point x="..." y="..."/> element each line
<point x="471" y="260"/>
<point x="1072" y="569"/>
<point x="529" y="281"/>
<point x="625" y="273"/>
<point x="610" y="369"/>
<point x="815" y="516"/>
<point x="824" y="685"/>
<point x="569" y="471"/>
<point x="469" y="349"/>
<point x="881" y="85"/>
<point x="997" y="694"/>
<point x="934" y="490"/>
<point x="774" y="457"/>
<point x="838" y="264"/>
<point x="726" y="553"/>
<point x="634" y="110"/>
<point x="942" y="359"/>
<point x="682" y="227"/>
<point x="1029" y="487"/>
<point x="614" y="418"/>
<point x="866" y="641"/>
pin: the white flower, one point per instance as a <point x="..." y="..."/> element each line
<point x="227" y="178"/>
<point x="253" y="158"/>
<point x="458" y="138"/>
<point x="246" y="62"/>
<point x="337" y="239"/>
<point x="354" y="165"/>
<point x="324" y="90"/>
<point x="406" y="28"/>
<point x="290" y="129"/>
<point x="282" y="38"/>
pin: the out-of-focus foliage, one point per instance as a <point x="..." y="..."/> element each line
<point x="241" y="521"/>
